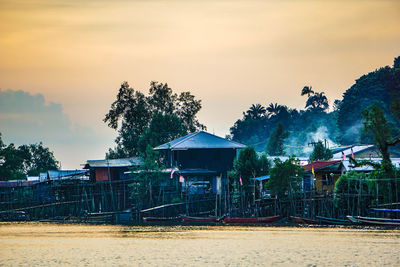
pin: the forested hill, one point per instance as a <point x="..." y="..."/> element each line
<point x="382" y="87"/>
<point x="342" y="125"/>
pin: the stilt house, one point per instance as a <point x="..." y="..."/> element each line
<point x="196" y="160"/>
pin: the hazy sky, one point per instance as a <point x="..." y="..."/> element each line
<point x="68" y="58"/>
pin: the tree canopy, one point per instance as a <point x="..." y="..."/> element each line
<point x="320" y="152"/>
<point x="285" y="177"/>
<point x="18" y="162"/>
<point x="132" y="113"/>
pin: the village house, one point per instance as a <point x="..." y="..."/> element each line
<point x="110" y="169"/>
<point x="197" y="159"/>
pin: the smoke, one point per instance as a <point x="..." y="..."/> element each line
<point x="353" y="132"/>
<point x="299" y="143"/>
<point x="321" y="134"/>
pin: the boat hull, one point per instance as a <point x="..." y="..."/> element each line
<point x="191" y="219"/>
<point x="326" y="220"/>
<point x="160" y="219"/>
<point x="376" y="221"/>
<point x="303" y="220"/>
<point x="250" y="220"/>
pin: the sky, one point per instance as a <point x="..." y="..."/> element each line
<point x="62" y="62"/>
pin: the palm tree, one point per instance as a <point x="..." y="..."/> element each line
<point x="307" y="90"/>
<point x="256" y="111"/>
<point x="273" y="109"/>
<point x="318" y="101"/>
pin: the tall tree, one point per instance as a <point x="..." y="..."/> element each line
<point x="131" y="114"/>
<point x="307" y="90"/>
<point x="320" y="152"/>
<point x="273" y="109"/>
<point x="317" y="102"/>
<point x="275" y="144"/>
<point x="256" y="111"/>
<point x="376" y="123"/>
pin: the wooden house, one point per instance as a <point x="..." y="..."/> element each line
<point x="199" y="158"/>
<point x="325" y="175"/>
<point x="110" y="169"/>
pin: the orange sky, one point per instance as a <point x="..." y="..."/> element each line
<point x="230" y="54"/>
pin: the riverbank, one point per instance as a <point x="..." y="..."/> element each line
<point x="41" y="244"/>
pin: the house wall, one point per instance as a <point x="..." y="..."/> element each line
<point x="101" y="174"/>
<point x="325" y="183"/>
<point x="219" y="160"/>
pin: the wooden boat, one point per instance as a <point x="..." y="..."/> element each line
<point x="326" y="220"/>
<point x="251" y="219"/>
<point x="160" y="219"/>
<point x="303" y="220"/>
<point x="198" y="219"/>
<point x="374" y="221"/>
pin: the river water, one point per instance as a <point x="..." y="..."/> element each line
<point x="40" y="244"/>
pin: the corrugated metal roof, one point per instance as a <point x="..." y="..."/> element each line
<point x="319" y="164"/>
<point x="356" y="149"/>
<point x="199" y="140"/>
<point x="367" y="168"/>
<point x="126" y="162"/>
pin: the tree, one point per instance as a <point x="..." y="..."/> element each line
<point x="349" y="185"/>
<point x="41" y="159"/>
<point x="320" y="152"/>
<point x="307" y="90"/>
<point x="18" y="162"/>
<point x="162" y="129"/>
<point x="246" y="166"/>
<point x="273" y="109"/>
<point x="317" y="102"/>
<point x="376" y="123"/>
<point x="256" y="111"/>
<point x="275" y="144"/>
<point x="379" y="86"/>
<point x="285" y="177"/>
<point x="131" y="113"/>
<point x="13" y="166"/>
<point x="148" y="174"/>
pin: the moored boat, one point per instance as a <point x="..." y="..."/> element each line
<point x="251" y="219"/>
<point x="199" y="219"/>
<point x="160" y="219"/>
<point x="303" y="220"/>
<point x="326" y="220"/>
<point x="374" y="221"/>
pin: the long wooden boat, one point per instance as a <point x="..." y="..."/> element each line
<point x="303" y="220"/>
<point x="251" y="219"/>
<point x="326" y="220"/>
<point x="160" y="219"/>
<point x="374" y="221"/>
<point x="199" y="219"/>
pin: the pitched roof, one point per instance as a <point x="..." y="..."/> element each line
<point x="199" y="140"/>
<point x="126" y="162"/>
<point x="319" y="164"/>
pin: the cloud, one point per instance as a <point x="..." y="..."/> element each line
<point x="27" y="118"/>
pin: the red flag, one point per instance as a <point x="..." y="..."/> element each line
<point x="240" y="180"/>
<point x="181" y="179"/>
<point x="343" y="155"/>
<point x="352" y="153"/>
<point x="172" y="173"/>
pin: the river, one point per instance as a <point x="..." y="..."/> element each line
<point x="41" y="244"/>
